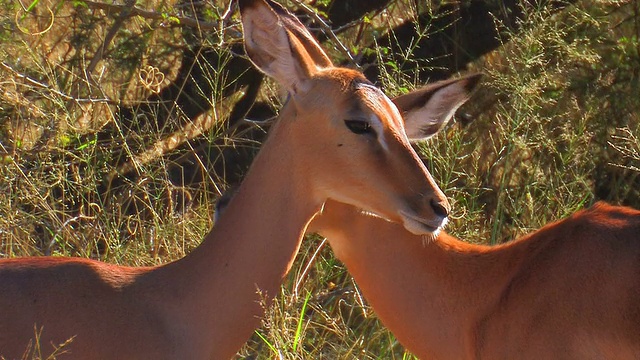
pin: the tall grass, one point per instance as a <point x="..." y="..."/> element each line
<point x="554" y="128"/>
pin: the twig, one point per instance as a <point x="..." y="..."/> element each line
<point x="54" y="238"/>
<point x="129" y="10"/>
<point x="54" y="91"/>
<point x="226" y="18"/>
<point x="328" y="31"/>
<point x="147" y="14"/>
<point x="125" y="12"/>
<point x="307" y="268"/>
<point x="18" y="18"/>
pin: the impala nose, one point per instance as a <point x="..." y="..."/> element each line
<point x="440" y="208"/>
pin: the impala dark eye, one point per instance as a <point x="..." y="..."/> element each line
<point x="359" y="127"/>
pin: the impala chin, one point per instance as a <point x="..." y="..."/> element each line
<point x="428" y="238"/>
<point x="420" y="226"/>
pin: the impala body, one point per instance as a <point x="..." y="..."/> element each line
<point x="570" y="290"/>
<point x="338" y="137"/>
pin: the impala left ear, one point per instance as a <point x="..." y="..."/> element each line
<point x="279" y="45"/>
<point x="427" y="110"/>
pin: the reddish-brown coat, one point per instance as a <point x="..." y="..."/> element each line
<point x="570" y="290"/>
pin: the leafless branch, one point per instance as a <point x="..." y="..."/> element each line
<point x="226" y="18"/>
<point x="48" y="88"/>
<point x="125" y="12"/>
<point x="147" y="14"/>
<point x="328" y="31"/>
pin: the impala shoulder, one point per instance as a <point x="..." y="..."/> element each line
<point x="606" y="216"/>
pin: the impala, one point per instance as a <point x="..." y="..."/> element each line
<point x="337" y="137"/>
<point x="570" y="290"/>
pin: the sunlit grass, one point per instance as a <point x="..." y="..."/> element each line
<point x="557" y="129"/>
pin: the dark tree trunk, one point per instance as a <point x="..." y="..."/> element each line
<point x="341" y="12"/>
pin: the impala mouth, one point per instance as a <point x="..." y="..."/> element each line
<point x="419" y="226"/>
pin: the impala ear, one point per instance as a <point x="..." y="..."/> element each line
<point x="279" y="45"/>
<point x="304" y="37"/>
<point x="427" y="110"/>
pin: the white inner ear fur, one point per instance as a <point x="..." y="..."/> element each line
<point x="267" y="43"/>
<point x="422" y="123"/>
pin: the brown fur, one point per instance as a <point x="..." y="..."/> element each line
<point x="570" y="290"/>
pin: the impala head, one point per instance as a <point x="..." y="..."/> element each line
<point x="352" y="142"/>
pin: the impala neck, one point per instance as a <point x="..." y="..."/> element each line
<point x="439" y="289"/>
<point x="250" y="250"/>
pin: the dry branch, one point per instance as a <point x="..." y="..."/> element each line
<point x="328" y="31"/>
<point x="154" y="15"/>
<point x="51" y="90"/>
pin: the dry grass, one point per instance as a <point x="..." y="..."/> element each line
<point x="558" y="129"/>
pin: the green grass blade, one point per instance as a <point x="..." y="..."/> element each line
<point x="32" y="6"/>
<point x="266" y="341"/>
<point x="298" y="336"/>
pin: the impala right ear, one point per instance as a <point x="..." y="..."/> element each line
<point x="426" y="110"/>
<point x="279" y="45"/>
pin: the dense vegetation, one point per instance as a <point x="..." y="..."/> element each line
<point x="120" y="126"/>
